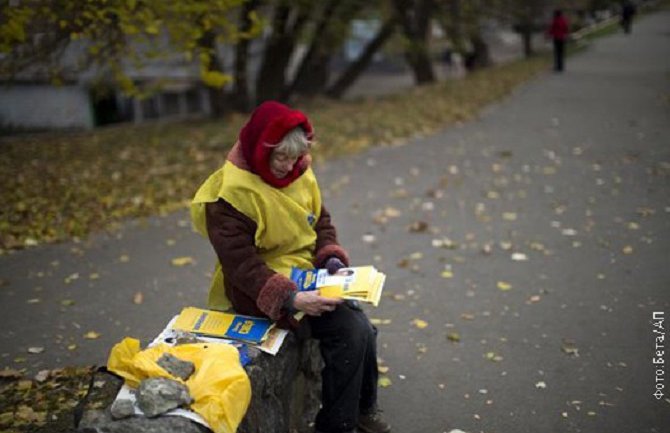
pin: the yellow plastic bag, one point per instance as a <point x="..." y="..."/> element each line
<point x="219" y="386"/>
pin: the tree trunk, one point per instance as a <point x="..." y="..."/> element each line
<point x="217" y="96"/>
<point x="312" y="75"/>
<point x="239" y="98"/>
<point x="527" y="36"/>
<point x="415" y="19"/>
<point x="455" y="27"/>
<point x="481" y="52"/>
<point x="354" y="70"/>
<point x="271" y="77"/>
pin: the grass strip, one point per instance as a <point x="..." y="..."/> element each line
<point x="61" y="186"/>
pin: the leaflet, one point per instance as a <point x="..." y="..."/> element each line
<point x="361" y="283"/>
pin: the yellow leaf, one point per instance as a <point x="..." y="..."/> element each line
<point x="151" y="28"/>
<point x="627" y="249"/>
<point x="419" y="323"/>
<point x="138" y="298"/>
<point x="124" y="258"/>
<point x="504" y="286"/>
<point x="447" y="274"/>
<point x="384" y="382"/>
<point x="382" y="369"/>
<point x="215" y="79"/>
<point x="376" y="321"/>
<point x="182" y="261"/>
<point x="91" y="335"/>
<point x="454" y="336"/>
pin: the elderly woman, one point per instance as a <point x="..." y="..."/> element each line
<point x="263" y="215"/>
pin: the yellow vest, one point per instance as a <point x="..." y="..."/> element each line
<point x="285" y="219"/>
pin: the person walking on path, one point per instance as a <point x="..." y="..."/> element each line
<point x="263" y="215"/>
<point x="627" y="13"/>
<point x="558" y="31"/>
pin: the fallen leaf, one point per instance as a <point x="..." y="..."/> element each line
<point x="384" y="381"/>
<point x="502" y="285"/>
<point x="26" y="413"/>
<point x="447" y="274"/>
<point x="533" y="299"/>
<point x="492" y="356"/>
<point x="9" y="373"/>
<point x="569" y="347"/>
<point x="92" y="335"/>
<point x="421" y="324"/>
<point x="627" y="249"/>
<point x="182" y="261"/>
<point x="368" y="238"/>
<point x="138" y="298"/>
<point x="124" y="258"/>
<point x="454" y="336"/>
<point x="42" y="375"/>
<point x="24" y="385"/>
<point x="36" y="349"/>
<point x="392" y="212"/>
<point x="71" y="277"/>
<point x="540" y="385"/>
<point x="418" y="227"/>
<point x="519" y="257"/>
<point x="376" y="321"/>
<point x="67" y="302"/>
<point x="382" y="369"/>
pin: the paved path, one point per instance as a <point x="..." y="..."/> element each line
<point x="571" y="172"/>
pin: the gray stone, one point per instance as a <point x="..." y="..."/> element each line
<point x="157" y="395"/>
<point x="175" y="366"/>
<point x="122" y="408"/>
<point x="98" y="421"/>
<point x="285" y="389"/>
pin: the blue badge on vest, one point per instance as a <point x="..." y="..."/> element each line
<point x="311" y="218"/>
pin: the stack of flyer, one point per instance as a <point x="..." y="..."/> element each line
<point x="361" y="283"/>
<point x="257" y="331"/>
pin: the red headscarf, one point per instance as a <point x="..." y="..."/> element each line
<point x="266" y="127"/>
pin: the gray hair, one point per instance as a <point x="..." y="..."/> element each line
<point x="294" y="143"/>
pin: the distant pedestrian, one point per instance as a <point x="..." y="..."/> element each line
<point x="628" y="11"/>
<point x="559" y="31"/>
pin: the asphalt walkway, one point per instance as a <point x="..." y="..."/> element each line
<point x="533" y="243"/>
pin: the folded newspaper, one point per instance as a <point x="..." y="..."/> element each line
<point x="360" y="283"/>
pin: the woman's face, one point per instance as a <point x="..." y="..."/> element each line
<point x="281" y="164"/>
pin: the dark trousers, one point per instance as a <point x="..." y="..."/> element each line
<point x="559" y="54"/>
<point x="348" y="346"/>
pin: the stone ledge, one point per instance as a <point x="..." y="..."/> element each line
<point x="285" y="397"/>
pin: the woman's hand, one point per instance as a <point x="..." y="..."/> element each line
<point x="313" y="304"/>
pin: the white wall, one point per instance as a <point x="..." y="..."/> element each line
<point x="43" y="106"/>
